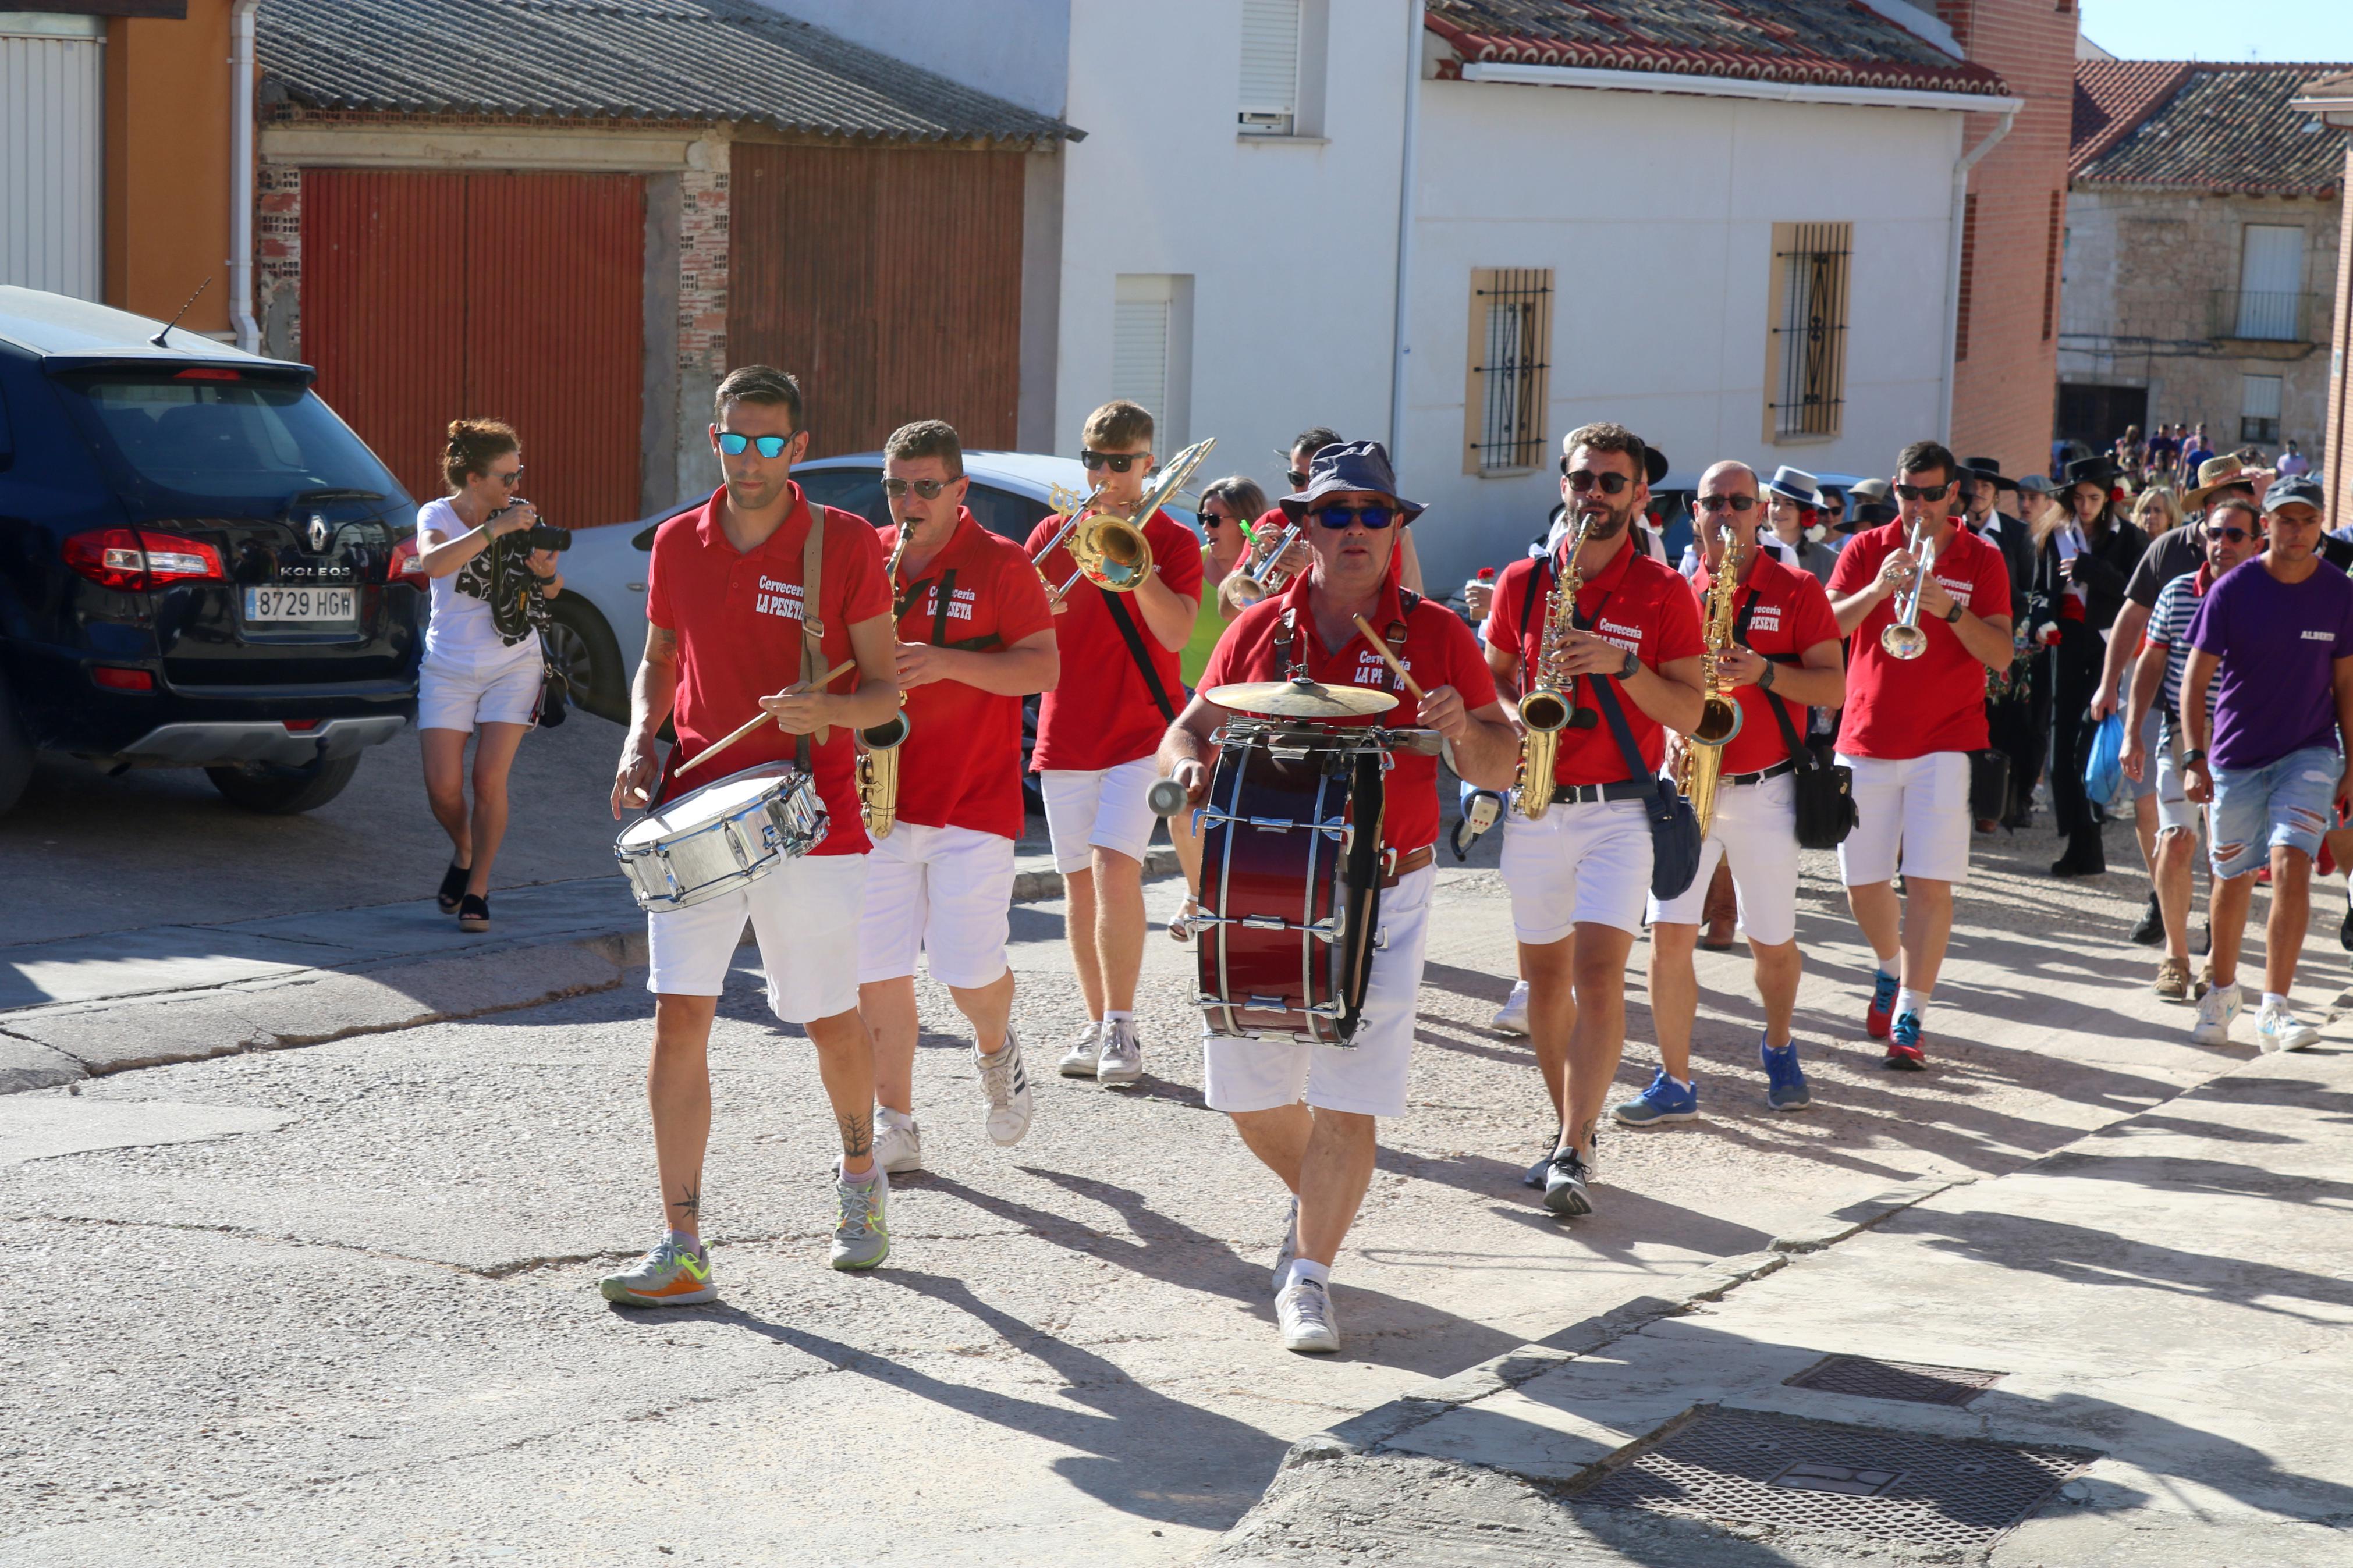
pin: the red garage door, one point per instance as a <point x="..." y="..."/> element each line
<point x="428" y="296"/>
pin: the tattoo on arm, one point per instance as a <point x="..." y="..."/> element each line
<point x="858" y="1134"/>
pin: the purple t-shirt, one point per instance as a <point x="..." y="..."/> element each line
<point x="2279" y="644"/>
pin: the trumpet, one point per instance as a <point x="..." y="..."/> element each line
<point x="1905" y="639"/>
<point x="1244" y="589"/>
<point x="1110" y="550"/>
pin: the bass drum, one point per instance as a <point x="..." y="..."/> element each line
<point x="1291" y="871"/>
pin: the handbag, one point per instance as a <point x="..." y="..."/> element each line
<point x="1823" y="789"/>
<point x="1989" y="784"/>
<point x="1674" y="828"/>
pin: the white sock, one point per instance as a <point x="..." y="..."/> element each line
<point x="681" y="1240"/>
<point x="2274" y="999"/>
<point x="866" y="1178"/>
<point x="1308" y="1268"/>
<point x="1910" y="1001"/>
<point x="1887" y="967"/>
<point x="902" y="1119"/>
<point x="1117" y="1016"/>
<point x="1678" y="1082"/>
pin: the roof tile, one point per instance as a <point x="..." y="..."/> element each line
<point x="2209" y="126"/>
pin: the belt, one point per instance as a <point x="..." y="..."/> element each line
<point x="1786" y="764"/>
<point x="1396" y="866"/>
<point x="1586" y="794"/>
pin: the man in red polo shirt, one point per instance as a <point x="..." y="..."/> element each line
<point x="1908" y="733"/>
<point x="727" y="638"/>
<point x="975" y="638"/>
<point x="1580" y="877"/>
<point x="1324" y="1148"/>
<point x="1097" y="731"/>
<point x="1785" y="654"/>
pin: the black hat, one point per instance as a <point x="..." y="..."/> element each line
<point x="1655" y="464"/>
<point x="2089" y="471"/>
<point x="1349" y="466"/>
<point x="1989" y="470"/>
<point x="1871" y="514"/>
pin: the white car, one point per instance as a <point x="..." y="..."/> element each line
<point x="600" y="621"/>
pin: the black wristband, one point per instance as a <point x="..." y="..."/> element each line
<point x="1954" y="619"/>
<point x="1633" y="662"/>
<point x="2191" y="759"/>
<point x="1765" y="677"/>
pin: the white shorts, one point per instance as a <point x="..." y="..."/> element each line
<point x="1368" y="1077"/>
<point x="1106" y="807"/>
<point x="458" y="699"/>
<point x="2174" y="810"/>
<point x="805" y="914"/>
<point x="1584" y="862"/>
<point x="1756" y="829"/>
<point x="945" y="892"/>
<point x="1916" y="811"/>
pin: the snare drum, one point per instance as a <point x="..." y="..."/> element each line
<point x="1290" y="868"/>
<point x="727" y="835"/>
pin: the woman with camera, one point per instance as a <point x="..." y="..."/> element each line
<point x="483" y="666"/>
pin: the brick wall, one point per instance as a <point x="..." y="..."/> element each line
<point x="278" y="261"/>
<point x="2006" y="377"/>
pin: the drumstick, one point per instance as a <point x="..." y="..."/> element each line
<point x="1390" y="659"/>
<point x="737" y="733"/>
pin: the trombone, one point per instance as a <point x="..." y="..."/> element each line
<point x="1109" y="549"/>
<point x="1905" y="639"/>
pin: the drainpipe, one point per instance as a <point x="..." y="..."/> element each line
<point x="1401" y="346"/>
<point x="240" y="180"/>
<point x="1953" y="262"/>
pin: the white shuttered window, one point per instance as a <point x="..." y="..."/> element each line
<point x="1270" y="101"/>
<point x="52" y="78"/>
<point x="1151" y="350"/>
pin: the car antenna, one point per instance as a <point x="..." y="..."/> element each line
<point x="158" y="339"/>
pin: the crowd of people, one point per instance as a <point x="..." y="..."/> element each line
<point x="1887" y="672"/>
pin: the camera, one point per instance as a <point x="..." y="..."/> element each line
<point x="546" y="536"/>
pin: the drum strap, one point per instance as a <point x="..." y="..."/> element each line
<point x="812" y="624"/>
<point x="1366" y="799"/>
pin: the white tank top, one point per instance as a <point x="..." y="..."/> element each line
<point x="460" y="635"/>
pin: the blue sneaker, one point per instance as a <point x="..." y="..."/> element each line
<point x="1664" y="1100"/>
<point x="1878" y="1018"/>
<point x="1785" y="1081"/>
<point x="1903" y="1053"/>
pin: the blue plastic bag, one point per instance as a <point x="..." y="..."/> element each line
<point x="2104" y="764"/>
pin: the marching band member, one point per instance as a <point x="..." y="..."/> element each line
<point x="1324" y="1148"/>
<point x="726" y="639"/>
<point x="1097" y="731"/>
<point x="1580" y="878"/>
<point x="1908" y="729"/>
<point x="1785" y="652"/>
<point x="975" y="637"/>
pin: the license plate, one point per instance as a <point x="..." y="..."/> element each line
<point x="281" y="602"/>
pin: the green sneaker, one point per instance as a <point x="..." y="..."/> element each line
<point x="861" y="1237"/>
<point x="669" y="1275"/>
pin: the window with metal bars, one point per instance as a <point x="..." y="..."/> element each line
<point x="1508" y="386"/>
<point x="1807" y="363"/>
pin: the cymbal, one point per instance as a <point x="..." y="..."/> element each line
<point x="1301" y="699"/>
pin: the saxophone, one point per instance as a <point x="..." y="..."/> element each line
<point x="1720" y="715"/>
<point x="1548" y="704"/>
<point x="878" y="747"/>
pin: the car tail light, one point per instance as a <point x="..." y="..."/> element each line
<point x="115" y="680"/>
<point x="131" y="560"/>
<point x="208" y="372"/>
<point x="405" y="565"/>
<point x="301" y="726"/>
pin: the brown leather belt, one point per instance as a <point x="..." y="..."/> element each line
<point x="1406" y="865"/>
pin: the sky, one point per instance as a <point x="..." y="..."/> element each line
<point x="2203" y="30"/>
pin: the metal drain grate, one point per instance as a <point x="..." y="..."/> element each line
<point x="1906" y="1381"/>
<point x="1745" y="1468"/>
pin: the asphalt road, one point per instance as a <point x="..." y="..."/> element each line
<point x="336" y="1304"/>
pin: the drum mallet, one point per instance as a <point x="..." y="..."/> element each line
<point x="1165" y="797"/>
<point x="737" y="733"/>
<point x="1378" y="647"/>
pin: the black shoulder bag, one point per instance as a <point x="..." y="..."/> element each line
<point x="1824" y="792"/>
<point x="1674" y="830"/>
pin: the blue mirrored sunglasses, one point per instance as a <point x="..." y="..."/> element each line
<point x="733" y="443"/>
<point x="1339" y="517"/>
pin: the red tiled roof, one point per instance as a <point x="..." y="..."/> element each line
<point x="1836" y="43"/>
<point x="2204" y="125"/>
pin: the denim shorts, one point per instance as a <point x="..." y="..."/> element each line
<point x="2255" y="809"/>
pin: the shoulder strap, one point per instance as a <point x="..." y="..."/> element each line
<point x="1605" y="699"/>
<point x="942" y="596"/>
<point x="1805" y="759"/>
<point x="1129" y="635"/>
<point x="812" y="622"/>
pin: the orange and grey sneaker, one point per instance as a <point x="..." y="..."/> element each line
<point x="674" y="1273"/>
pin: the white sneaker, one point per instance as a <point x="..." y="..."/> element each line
<point x="1287" y="1250"/>
<point x="1512" y="1017"/>
<point x="2277" y="1028"/>
<point x="1303" y="1312"/>
<point x="1005" y="1082"/>
<point x="1122" y="1060"/>
<point x="900" y="1148"/>
<point x="1085" y="1051"/>
<point x="2217" y="1010"/>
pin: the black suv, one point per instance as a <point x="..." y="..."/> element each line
<point x="200" y="564"/>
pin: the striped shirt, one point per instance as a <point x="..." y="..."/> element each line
<point x="2169" y="624"/>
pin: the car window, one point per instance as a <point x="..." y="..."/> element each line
<point x="1003" y="513"/>
<point x="852" y="490"/>
<point x="218" y="433"/>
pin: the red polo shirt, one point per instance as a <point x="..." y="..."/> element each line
<point x="1438" y="647"/>
<point x="961" y="765"/>
<point x="1792" y="614"/>
<point x="1103" y="714"/>
<point x="1897" y="708"/>
<point x="737" y="617"/>
<point x="1634" y="602"/>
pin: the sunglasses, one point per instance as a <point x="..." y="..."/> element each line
<point x="2235" y="535"/>
<point x="1726" y="503"/>
<point x="1924" y="493"/>
<point x="1117" y="462"/>
<point x="733" y="443"/>
<point x="1339" y="517"/>
<point x="510" y="481"/>
<point x="1298" y="481"/>
<point x="1212" y="520"/>
<point x="927" y="489"/>
<point x="1583" y="479"/>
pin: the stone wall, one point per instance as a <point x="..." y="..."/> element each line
<point x="2338" y="467"/>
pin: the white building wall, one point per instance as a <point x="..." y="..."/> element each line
<point x="1656" y="213"/>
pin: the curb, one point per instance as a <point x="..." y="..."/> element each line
<point x="1362" y="1434"/>
<point x="1036" y="887"/>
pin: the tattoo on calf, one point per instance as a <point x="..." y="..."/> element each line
<point x="1585" y="1134"/>
<point x="690" y="1202"/>
<point x="858" y="1134"/>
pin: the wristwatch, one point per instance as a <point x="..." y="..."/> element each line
<point x="1765" y="678"/>
<point x="1633" y="662"/>
<point x="1953" y="618"/>
<point x="2191" y="759"/>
